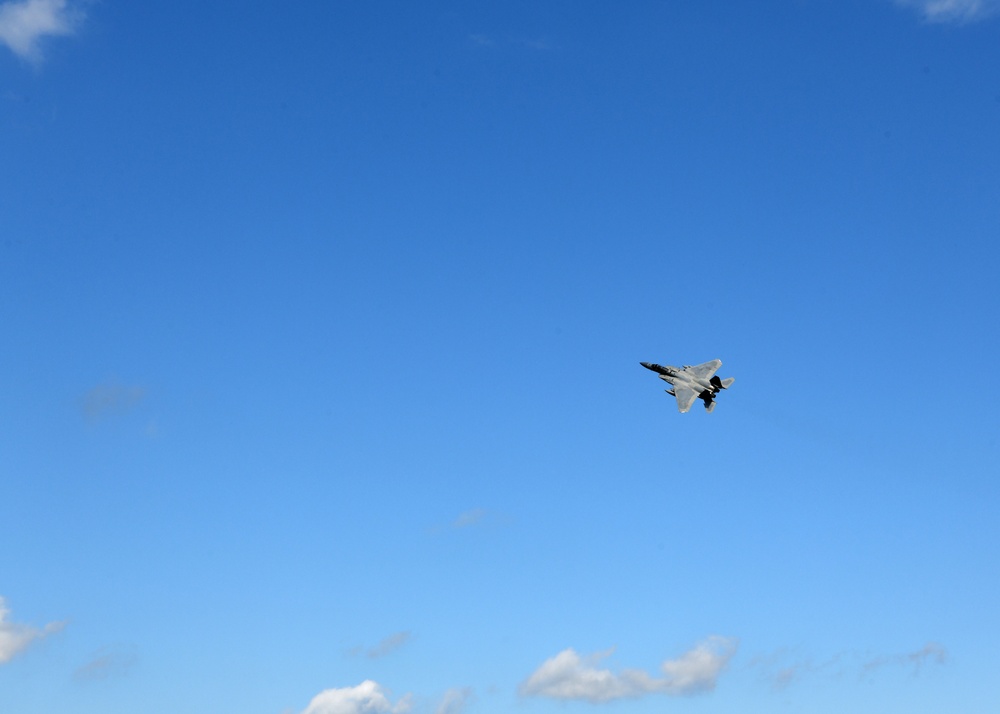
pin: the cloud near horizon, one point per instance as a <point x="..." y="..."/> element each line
<point x="783" y="668"/>
<point x="568" y="676"/>
<point x="932" y="651"/>
<point x="957" y="11"/>
<point x="454" y="701"/>
<point x="366" y="698"/>
<point x="15" y="638"/>
<point x="23" y="24"/>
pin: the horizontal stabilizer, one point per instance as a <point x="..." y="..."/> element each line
<point x="718" y="384"/>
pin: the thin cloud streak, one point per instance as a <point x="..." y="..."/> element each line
<point x="783" y="671"/>
<point x="24" y="24"/>
<point x="931" y="652"/>
<point x="389" y="645"/>
<point x="110" y="399"/>
<point x="538" y="44"/>
<point x="469" y="518"/>
<point x="953" y="11"/>
<point x="569" y="676"/>
<point x="109" y="663"/>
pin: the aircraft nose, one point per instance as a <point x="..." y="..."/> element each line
<point x="647" y="365"/>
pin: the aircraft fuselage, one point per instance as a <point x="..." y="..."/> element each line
<point x="675" y="376"/>
<point x="689" y="383"/>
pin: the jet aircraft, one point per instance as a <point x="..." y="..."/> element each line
<point x="690" y="383"/>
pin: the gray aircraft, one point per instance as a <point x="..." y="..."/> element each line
<point x="690" y="383"/>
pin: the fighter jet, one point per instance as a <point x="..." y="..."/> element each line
<point x="690" y="383"/>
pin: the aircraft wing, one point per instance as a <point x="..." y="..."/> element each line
<point x="705" y="371"/>
<point x="685" y="398"/>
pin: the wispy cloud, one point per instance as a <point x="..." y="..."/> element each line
<point x="569" y="676"/>
<point x="957" y="11"/>
<point x="469" y="518"/>
<point x="454" y="701"/>
<point x="536" y="43"/>
<point x="386" y="647"/>
<point x="108" y="663"/>
<point x="15" y="638"/>
<point x="389" y="645"/>
<point x="931" y="652"/>
<point x="782" y="669"/>
<point x="531" y="43"/>
<point x="482" y="40"/>
<point x="366" y="698"/>
<point x="24" y="23"/>
<point x="109" y="399"/>
<point x="472" y="519"/>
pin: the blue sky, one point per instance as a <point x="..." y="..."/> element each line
<point x="322" y="327"/>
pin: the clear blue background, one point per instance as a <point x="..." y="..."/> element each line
<point x="367" y="267"/>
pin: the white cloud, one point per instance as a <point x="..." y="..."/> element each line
<point x="959" y="11"/>
<point x="14" y="638"/>
<point x="23" y="24"/>
<point x="454" y="701"/>
<point x="366" y="698"/>
<point x="698" y="669"/>
<point x="568" y="676"/>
